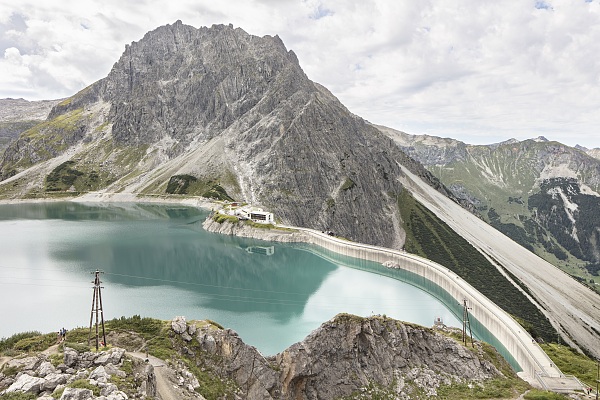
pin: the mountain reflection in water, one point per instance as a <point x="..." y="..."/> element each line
<point x="159" y="262"/>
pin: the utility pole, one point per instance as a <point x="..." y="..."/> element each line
<point x="97" y="309"/>
<point x="466" y="323"/>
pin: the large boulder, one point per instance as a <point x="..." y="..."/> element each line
<point x="71" y="357"/>
<point x="52" y="380"/>
<point x="77" y="394"/>
<point x="25" y="364"/>
<point x="179" y="325"/>
<point x="26" y="383"/>
<point x="45" y="368"/>
<point x="100" y="375"/>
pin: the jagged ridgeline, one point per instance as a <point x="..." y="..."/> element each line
<point x="217" y="112"/>
<point x="542" y="194"/>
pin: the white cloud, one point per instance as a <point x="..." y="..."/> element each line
<point x="477" y="71"/>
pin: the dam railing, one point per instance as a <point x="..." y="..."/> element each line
<point x="517" y="341"/>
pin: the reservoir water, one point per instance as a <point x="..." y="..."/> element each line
<point x="159" y="262"/>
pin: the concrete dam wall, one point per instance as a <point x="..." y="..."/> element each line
<point x="526" y="352"/>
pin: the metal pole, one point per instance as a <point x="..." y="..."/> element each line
<point x="97" y="308"/>
<point x="102" y="312"/>
<point x="97" y="290"/>
<point x="470" y="331"/>
<point x="92" y="312"/>
<point x="464" y="321"/>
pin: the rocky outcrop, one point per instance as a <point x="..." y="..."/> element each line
<point x="38" y="376"/>
<point x="344" y="356"/>
<point x="19" y="115"/>
<point x="242" y="229"/>
<point x="15" y="110"/>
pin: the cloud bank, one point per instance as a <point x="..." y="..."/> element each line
<point x="480" y="72"/>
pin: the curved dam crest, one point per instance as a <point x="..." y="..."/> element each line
<point x="489" y="322"/>
<point x="159" y="262"/>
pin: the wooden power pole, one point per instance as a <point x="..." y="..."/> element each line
<point x="97" y="309"/>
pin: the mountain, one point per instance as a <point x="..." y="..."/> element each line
<point x="19" y="115"/>
<point x="220" y="112"/>
<point x="595" y="152"/>
<point x="541" y="193"/>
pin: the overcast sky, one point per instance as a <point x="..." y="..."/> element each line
<point x="477" y="71"/>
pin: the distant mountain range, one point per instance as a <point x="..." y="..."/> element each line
<point x="19" y="115"/>
<point x="541" y="193"/>
<point x="219" y="113"/>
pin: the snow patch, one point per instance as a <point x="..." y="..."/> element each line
<point x="570" y="208"/>
<point x="585" y="189"/>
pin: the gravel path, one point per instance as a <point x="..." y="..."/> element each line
<point x="165" y="379"/>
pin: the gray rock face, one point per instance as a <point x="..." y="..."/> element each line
<point x="343" y="357"/>
<point x="100" y="375"/>
<point x="221" y="105"/>
<point x="373" y="350"/>
<point x="179" y="325"/>
<point x="19" y="115"/>
<point x="26" y="383"/>
<point x="77" y="394"/>
<point x="52" y="381"/>
<point x="38" y="376"/>
<point x="45" y="368"/>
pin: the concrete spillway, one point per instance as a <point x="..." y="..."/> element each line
<point x="533" y="361"/>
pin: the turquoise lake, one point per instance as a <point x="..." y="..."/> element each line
<point x="159" y="262"/>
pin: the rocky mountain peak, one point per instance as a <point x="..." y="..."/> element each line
<point x="190" y="83"/>
<point x="223" y="108"/>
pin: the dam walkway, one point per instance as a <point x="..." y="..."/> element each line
<point x="537" y="367"/>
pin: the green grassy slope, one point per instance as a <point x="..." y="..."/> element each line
<point x="431" y="238"/>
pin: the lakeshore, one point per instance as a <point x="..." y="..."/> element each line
<point x="159" y="261"/>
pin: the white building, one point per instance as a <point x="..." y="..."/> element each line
<point x="255" y="214"/>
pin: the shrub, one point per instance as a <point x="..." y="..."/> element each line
<point x="217" y="192"/>
<point x="220" y="218"/>
<point x="348" y="184"/>
<point x="36" y="343"/>
<point x="259" y="225"/>
<point x="10" y="371"/>
<point x="85" y="384"/>
<point x="147" y="327"/>
<point x="9" y="343"/>
<point x="78" y="347"/>
<point x="178" y="184"/>
<point x="18" y="396"/>
<point x="536" y="394"/>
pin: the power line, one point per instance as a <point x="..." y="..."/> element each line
<point x="343" y="301"/>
